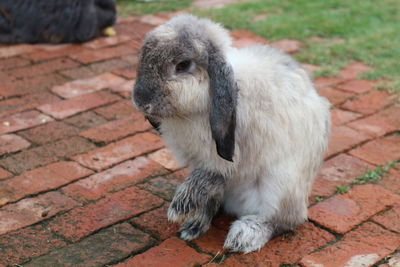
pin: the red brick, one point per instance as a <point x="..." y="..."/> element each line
<point x="243" y="38"/>
<point x="124" y="89"/>
<point x="32" y="210"/>
<point x="15" y="50"/>
<point x="101" y="249"/>
<point x="286" y="249"/>
<point x="392" y="115"/>
<point x="66" y="108"/>
<point x="165" y="158"/>
<point x="119" y="177"/>
<point x="4" y="174"/>
<point x="117" y="110"/>
<point x="43" y="68"/>
<point x="212" y="241"/>
<point x="136" y="30"/>
<point x="353" y="70"/>
<point x="89" y="85"/>
<point x="327" y="81"/>
<point x="390" y="218"/>
<point x="287" y="46"/>
<point x="30" y="101"/>
<point x="116" y="207"/>
<point x="379" y="151"/>
<point x="105" y="53"/>
<point x="391" y="181"/>
<point x="54" y="51"/>
<point x="171" y="253"/>
<point x="343" y="138"/>
<point x="25" y="86"/>
<point x="363" y="247"/>
<point x="357" y="86"/>
<point x="22" y="121"/>
<point x="10" y="143"/>
<point x="46" y="154"/>
<point x="334" y="96"/>
<point x="122" y="150"/>
<point x="310" y="67"/>
<point x="340" y="170"/>
<point x="162" y="186"/>
<point x="153" y="19"/>
<point x="86" y="120"/>
<point x="340" y="117"/>
<point x="81" y="72"/>
<point x="24" y="244"/>
<point x="156" y="221"/>
<point x="128" y="73"/>
<point x="49" y="132"/>
<point x="13" y="62"/>
<point x="375" y="126"/>
<point x="369" y="103"/>
<point x="107" y="41"/>
<point x="117" y="129"/>
<point x="343" y="212"/>
<point x="39" y="180"/>
<point x="109" y="65"/>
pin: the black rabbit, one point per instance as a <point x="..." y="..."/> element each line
<point x="54" y="21"/>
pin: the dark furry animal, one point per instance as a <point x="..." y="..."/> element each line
<point x="54" y="21"/>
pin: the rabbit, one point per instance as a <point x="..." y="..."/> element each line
<point x="247" y="122"/>
<point x="55" y="21"/>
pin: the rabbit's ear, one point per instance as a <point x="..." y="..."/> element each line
<point x="223" y="94"/>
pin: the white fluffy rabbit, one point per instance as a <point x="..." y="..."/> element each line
<point x="248" y="122"/>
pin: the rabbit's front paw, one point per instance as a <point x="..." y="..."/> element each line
<point x="194" y="227"/>
<point x="182" y="204"/>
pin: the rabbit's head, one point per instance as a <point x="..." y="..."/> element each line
<point x="183" y="72"/>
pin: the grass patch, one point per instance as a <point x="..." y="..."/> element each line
<point x="367" y="31"/>
<point x="135" y="7"/>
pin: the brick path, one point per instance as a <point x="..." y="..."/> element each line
<point x="85" y="181"/>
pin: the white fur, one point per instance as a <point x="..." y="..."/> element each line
<point x="281" y="134"/>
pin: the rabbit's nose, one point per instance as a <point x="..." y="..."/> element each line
<point x="148" y="108"/>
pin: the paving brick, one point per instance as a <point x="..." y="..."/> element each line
<point x="363" y="247"/>
<point x="124" y="89"/>
<point x="10" y="143"/>
<point x="15" y="50"/>
<point x="119" y="177"/>
<point x="117" y="129"/>
<point x="46" y="154"/>
<point x="39" y="180"/>
<point x="357" y="86"/>
<point x="43" y="68"/>
<point x="49" y="132"/>
<point x="86" y="120"/>
<point x="153" y="19"/>
<point x="171" y="253"/>
<point x="163" y="187"/>
<point x="379" y="151"/>
<point x="391" y="181"/>
<point x="108" y="245"/>
<point x="105" y="53"/>
<point x="340" y="117"/>
<point x="328" y="81"/>
<point x="128" y="73"/>
<point x="287" y="46"/>
<point x="310" y="67"/>
<point x="22" y="245"/>
<point x="369" y="103"/>
<point x="81" y="72"/>
<point x="107" y="41"/>
<point x="117" y="110"/>
<point x="390" y="218"/>
<point x="89" y="85"/>
<point x="243" y="38"/>
<point x="392" y="115"/>
<point x="32" y="210"/>
<point x="22" y="121"/>
<point x="353" y="70"/>
<point x="334" y="96"/>
<point x="340" y="170"/>
<point x="156" y="221"/>
<point x="82" y="221"/>
<point x="223" y="221"/>
<point x="66" y="108"/>
<point x="286" y="249"/>
<point x="122" y="150"/>
<point x="135" y="29"/>
<point x="53" y="51"/>
<point x="343" y="212"/>
<point x="165" y="158"/>
<point x="4" y="174"/>
<point x="13" y="62"/>
<point x="212" y="241"/>
<point x="109" y="65"/>
<point x="343" y="138"/>
<point x="375" y="125"/>
<point x="30" y="101"/>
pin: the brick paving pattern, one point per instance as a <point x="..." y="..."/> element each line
<point x="86" y="181"/>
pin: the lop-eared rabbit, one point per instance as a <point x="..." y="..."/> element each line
<point x="248" y="123"/>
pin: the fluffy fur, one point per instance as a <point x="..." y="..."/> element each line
<point x="280" y="129"/>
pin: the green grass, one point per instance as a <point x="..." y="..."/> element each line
<point x="134" y="7"/>
<point x="369" y="31"/>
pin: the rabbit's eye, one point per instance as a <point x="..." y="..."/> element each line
<point x="183" y="66"/>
